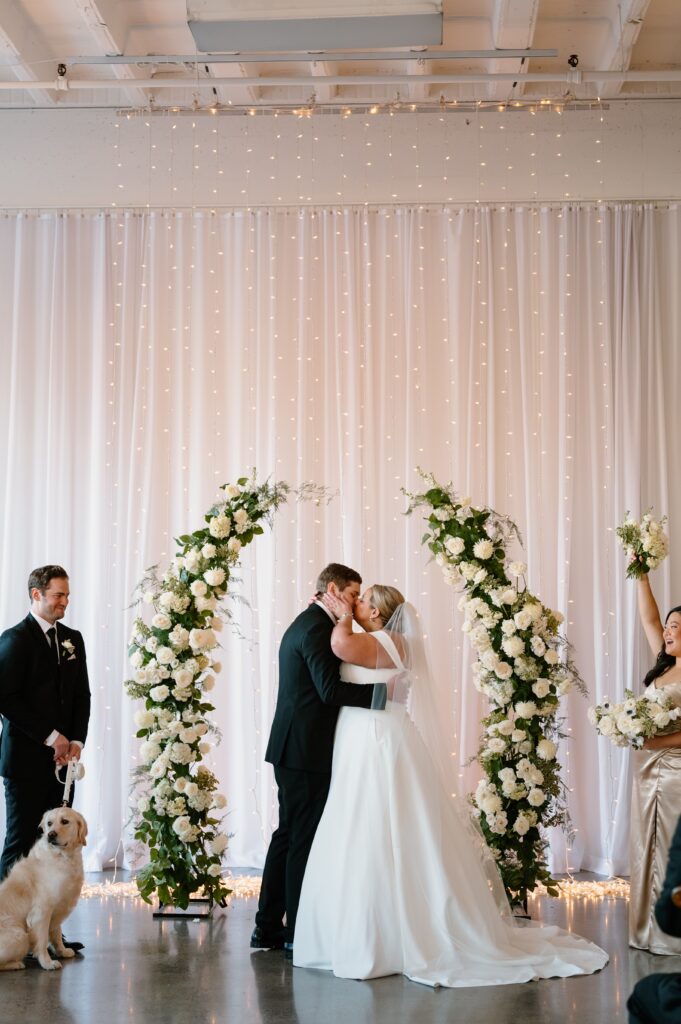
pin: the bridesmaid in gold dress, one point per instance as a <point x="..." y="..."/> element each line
<point x="656" y="787"/>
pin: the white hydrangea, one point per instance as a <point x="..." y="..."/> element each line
<point x="454" y="545"/>
<point x="214" y="577"/>
<point x="536" y="797"/>
<point x="483" y="549"/>
<point x="513" y="646"/>
<point x="546" y="750"/>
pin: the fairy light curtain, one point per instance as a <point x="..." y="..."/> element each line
<point x="529" y="353"/>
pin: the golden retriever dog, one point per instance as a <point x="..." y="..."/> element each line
<point x="41" y="890"/>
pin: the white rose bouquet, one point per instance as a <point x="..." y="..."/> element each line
<point x="632" y="721"/>
<point x="645" y="543"/>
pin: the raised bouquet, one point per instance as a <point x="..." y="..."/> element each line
<point x="632" y="721"/>
<point x="645" y="543"/>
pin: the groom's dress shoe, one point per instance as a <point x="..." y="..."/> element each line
<point x="261" y="939"/>
<point x="288" y="950"/>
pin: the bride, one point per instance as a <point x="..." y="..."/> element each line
<point x="399" y="878"/>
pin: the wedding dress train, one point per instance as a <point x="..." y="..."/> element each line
<point x="395" y="883"/>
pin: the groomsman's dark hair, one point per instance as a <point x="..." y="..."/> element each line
<point x="40" y="578"/>
<point x="336" y="573"/>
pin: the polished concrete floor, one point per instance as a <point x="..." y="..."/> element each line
<point x="145" y="971"/>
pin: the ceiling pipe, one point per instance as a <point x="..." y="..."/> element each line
<point x="571" y="77"/>
<point x="310" y="58"/>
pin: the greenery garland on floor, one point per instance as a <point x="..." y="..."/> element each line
<point x="179" y="814"/>
<point x="523" y="666"/>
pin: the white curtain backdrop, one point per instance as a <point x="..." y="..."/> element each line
<point x="529" y="354"/>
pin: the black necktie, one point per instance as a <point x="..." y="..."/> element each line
<point x="51" y="635"/>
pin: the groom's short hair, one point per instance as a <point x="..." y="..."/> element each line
<point x="40" y="578"/>
<point x="336" y="573"/>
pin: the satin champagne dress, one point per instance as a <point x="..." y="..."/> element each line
<point x="655" y="811"/>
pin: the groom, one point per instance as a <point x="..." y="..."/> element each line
<point x="301" y="747"/>
<point x="45" y="708"/>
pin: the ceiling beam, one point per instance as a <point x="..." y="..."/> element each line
<point x="626" y="20"/>
<point x="324" y="69"/>
<point x="513" y="26"/>
<point x="25" y="51"/>
<point x="109" y="31"/>
<point x="234" y="95"/>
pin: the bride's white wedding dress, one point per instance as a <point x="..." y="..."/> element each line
<point x="395" y="882"/>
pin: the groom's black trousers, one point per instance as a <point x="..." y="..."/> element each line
<point x="302" y="796"/>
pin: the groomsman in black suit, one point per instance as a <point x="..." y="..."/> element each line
<point x="45" y="708"/>
<point x="657" y="998"/>
<point x="300" y="748"/>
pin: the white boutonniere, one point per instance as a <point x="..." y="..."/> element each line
<point x="69" y="650"/>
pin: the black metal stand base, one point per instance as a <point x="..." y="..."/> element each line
<point x="171" y="911"/>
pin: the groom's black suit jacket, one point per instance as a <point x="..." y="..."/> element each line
<point x="310" y="695"/>
<point x="37" y="696"/>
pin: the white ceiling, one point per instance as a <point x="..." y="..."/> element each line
<point x="626" y="49"/>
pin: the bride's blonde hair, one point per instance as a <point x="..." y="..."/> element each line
<point x="385" y="600"/>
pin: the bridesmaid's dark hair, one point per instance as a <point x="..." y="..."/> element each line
<point x="664" y="660"/>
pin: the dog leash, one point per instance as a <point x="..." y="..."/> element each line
<point x="74" y="773"/>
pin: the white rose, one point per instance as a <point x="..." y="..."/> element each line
<point x="217" y="624"/>
<point x="517" y="569"/>
<point x="522" y="619"/>
<point x="192" y="560"/>
<point x="214" y="870"/>
<point x="219" y="801"/>
<point x="503" y="670"/>
<point x="551" y="657"/>
<point x="444" y="514"/>
<point x="179" y="638"/>
<point x="606" y="726"/>
<point x="483" y="549"/>
<point x="164" y="655"/>
<point x="149" y="751"/>
<point x="158" y="768"/>
<point x="152" y="645"/>
<point x="198" y="588"/>
<point x="541" y="688"/>
<point x="507" y="596"/>
<point x="538" y="646"/>
<point x="498" y="823"/>
<point x="137" y="659"/>
<point x="160" y="621"/>
<point x="209" y="551"/>
<point x="181" y="825"/>
<point x="518" y="735"/>
<point x="508" y="627"/>
<point x="180" y="784"/>
<point x="148" y="597"/>
<point x="214" y="577"/>
<point x="234" y="545"/>
<point x="144" y="719"/>
<point x="182" y="677"/>
<point x="167" y="599"/>
<point x="505" y="728"/>
<point x="490" y="804"/>
<point x="536" y="797"/>
<point x="521" y="825"/>
<point x="208" y="683"/>
<point x="205" y="748"/>
<point x="181" y="753"/>
<point x="192" y="789"/>
<point x="205" y="604"/>
<point x="231" y="490"/>
<point x="202" y="639"/>
<point x="496" y="745"/>
<point x="454" y="545"/>
<point x="159" y="693"/>
<point x="143" y="804"/>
